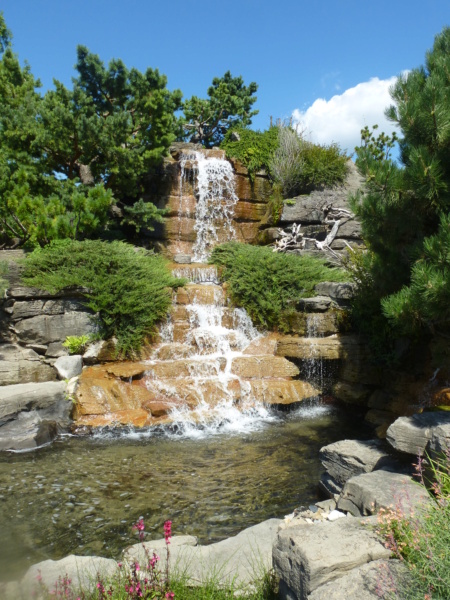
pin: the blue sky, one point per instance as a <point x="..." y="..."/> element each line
<point x="327" y="62"/>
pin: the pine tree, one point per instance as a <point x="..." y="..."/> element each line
<point x="405" y="208"/>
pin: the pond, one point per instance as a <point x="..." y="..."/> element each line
<point x="82" y="495"/>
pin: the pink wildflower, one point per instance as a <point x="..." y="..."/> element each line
<point x="167" y="531"/>
<point x="140" y="527"/>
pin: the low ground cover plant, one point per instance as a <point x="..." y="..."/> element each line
<point x="267" y="284"/>
<point x="128" y="289"/>
<point x="421" y="539"/>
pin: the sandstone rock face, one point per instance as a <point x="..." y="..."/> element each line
<point x="279" y="391"/>
<point x="308" y="556"/>
<point x="334" y="347"/>
<point x="413" y="434"/>
<point x="263" y="366"/>
<point x="344" y="459"/>
<point x="365" y="494"/>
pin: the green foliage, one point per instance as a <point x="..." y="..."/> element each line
<point x="254" y="149"/>
<point x="68" y="156"/>
<point x="421" y="539"/>
<point x="130" y="289"/>
<point x="228" y="106"/>
<point x="268" y="284"/>
<point x="299" y="166"/>
<point x="404" y="209"/>
<point x="76" y="344"/>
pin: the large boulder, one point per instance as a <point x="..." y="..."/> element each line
<point x="347" y="458"/>
<point x="69" y="366"/>
<point x="365" y="494"/>
<point x="413" y="434"/>
<point x="308" y="556"/>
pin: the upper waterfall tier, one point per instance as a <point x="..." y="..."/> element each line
<point x="214" y="189"/>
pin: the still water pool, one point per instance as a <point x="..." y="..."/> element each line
<point x="82" y="494"/>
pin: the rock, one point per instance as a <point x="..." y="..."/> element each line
<point x="342" y="460"/>
<point x="126" y="370"/>
<point x="139" y="552"/>
<point x="27" y="432"/>
<point x="365" y="494"/>
<point x="352" y="393"/>
<point x="239" y="559"/>
<point x="306" y="557"/>
<point x="328" y="486"/>
<point x="29" y="396"/>
<point x="336" y="290"/>
<point x="82" y="570"/>
<point x="367" y="582"/>
<point x="413" y="434"/>
<point x="34" y="308"/>
<point x="280" y="391"/>
<point x="334" y="347"/>
<point x="263" y="366"/>
<point x="69" y="366"/>
<point x="22" y="365"/>
<point x="182" y="259"/>
<point x="316" y="304"/>
<point x="335" y="515"/>
<point x="173" y="351"/>
<point x="263" y="345"/>
<point x="193" y="292"/>
<point x="303" y="210"/>
<point x="45" y="329"/>
<point x="101" y="351"/>
<point x="55" y="350"/>
<point x="326" y="505"/>
<point x="30" y="293"/>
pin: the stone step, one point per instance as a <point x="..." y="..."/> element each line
<point x="195" y="272"/>
<point x="194" y="293"/>
<point x="263" y="366"/>
<point x="333" y="347"/>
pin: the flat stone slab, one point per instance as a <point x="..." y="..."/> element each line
<point x="29" y="396"/>
<point x="242" y="558"/>
<point x="413" y="434"/>
<point x="365" y="494"/>
<point x="82" y="570"/>
<point x="366" y="582"/>
<point x="346" y="458"/>
<point x="308" y="556"/>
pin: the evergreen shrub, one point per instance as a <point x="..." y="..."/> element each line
<point x="254" y="148"/>
<point x="129" y="288"/>
<point x="268" y="284"/>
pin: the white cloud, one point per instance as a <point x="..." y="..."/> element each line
<point x="340" y="119"/>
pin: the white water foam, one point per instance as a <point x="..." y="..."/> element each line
<point x="216" y="199"/>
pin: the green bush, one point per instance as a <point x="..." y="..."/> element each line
<point x="254" y="148"/>
<point x="268" y="284"/>
<point x="129" y="288"/>
<point x="4" y="268"/>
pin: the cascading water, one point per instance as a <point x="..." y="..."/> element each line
<point x="216" y="198"/>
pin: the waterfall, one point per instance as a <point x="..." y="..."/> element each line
<point x="216" y="199"/>
<point x="314" y="367"/>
